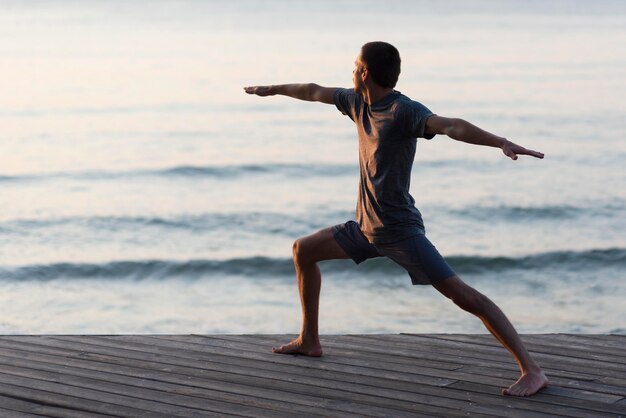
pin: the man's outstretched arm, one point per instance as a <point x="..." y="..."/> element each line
<point x="310" y="92"/>
<point x="462" y="130"/>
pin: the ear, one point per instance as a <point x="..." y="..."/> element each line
<point x="364" y="74"/>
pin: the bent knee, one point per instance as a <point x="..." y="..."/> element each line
<point x="301" y="252"/>
<point x="471" y="301"/>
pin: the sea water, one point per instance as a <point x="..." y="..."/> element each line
<point x="142" y="190"/>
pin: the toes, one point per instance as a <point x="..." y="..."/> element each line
<point x="281" y="350"/>
<point x="517" y="391"/>
<point x="296" y="347"/>
<point x="512" y="391"/>
<point x="286" y="349"/>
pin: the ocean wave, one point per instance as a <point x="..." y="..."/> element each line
<point x="300" y="170"/>
<point x="220" y="172"/>
<point x="151" y="269"/>
<point x="613" y="207"/>
<point x="562" y="260"/>
<point x="290" y="224"/>
<point x="298" y="223"/>
<point x="266" y="267"/>
<point x="520" y="212"/>
<point x="8" y="178"/>
<point x="234" y="171"/>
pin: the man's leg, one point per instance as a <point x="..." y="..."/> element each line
<point x="307" y="252"/>
<point x="469" y="299"/>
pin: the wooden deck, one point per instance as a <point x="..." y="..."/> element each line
<point x="359" y="376"/>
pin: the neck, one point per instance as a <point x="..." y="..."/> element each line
<point x="375" y="93"/>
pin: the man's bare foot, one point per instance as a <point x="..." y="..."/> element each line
<point x="528" y="384"/>
<point x="297" y="346"/>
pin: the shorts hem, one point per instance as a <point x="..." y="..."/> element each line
<point x="345" y="246"/>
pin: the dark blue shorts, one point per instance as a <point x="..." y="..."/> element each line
<point x="416" y="254"/>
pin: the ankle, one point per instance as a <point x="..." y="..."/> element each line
<point x="309" y="337"/>
<point x="532" y="369"/>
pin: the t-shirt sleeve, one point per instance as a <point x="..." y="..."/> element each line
<point x="417" y="116"/>
<point x="347" y="101"/>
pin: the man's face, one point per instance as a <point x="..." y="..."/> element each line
<point x="357" y="75"/>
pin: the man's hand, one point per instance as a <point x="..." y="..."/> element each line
<point x="260" y="90"/>
<point x="512" y="150"/>
<point x="462" y="130"/>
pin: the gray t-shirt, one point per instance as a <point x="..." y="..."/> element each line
<point x="388" y="132"/>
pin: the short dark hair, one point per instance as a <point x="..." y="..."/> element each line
<point x="382" y="61"/>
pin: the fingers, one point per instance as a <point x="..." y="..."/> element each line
<point x="510" y="153"/>
<point x="532" y="153"/>
<point x="514" y="151"/>
<point x="258" y="90"/>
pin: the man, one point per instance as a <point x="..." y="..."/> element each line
<point x="388" y="224"/>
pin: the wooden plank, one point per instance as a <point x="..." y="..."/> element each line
<point x="368" y="394"/>
<point x="512" y="368"/>
<point x="600" y="341"/>
<point x="77" y="399"/>
<point x="481" y="395"/>
<point x="611" y="345"/>
<point x="555" y="377"/>
<point x="9" y="413"/>
<point x="271" y="362"/>
<point x="545" y="402"/>
<point x="442" y="393"/>
<point x="330" y="363"/>
<point x="234" y="365"/>
<point x="176" y="375"/>
<point x="578" y="346"/>
<point x="174" y="383"/>
<point x="580" y="394"/>
<point x="549" y="408"/>
<point x="335" y="392"/>
<point x="343" y="358"/>
<point x="335" y="350"/>
<point x="576" y="393"/>
<point x="479" y="410"/>
<point x="613" y="381"/>
<point x="548" y="345"/>
<point x="251" y="352"/>
<point x="94" y="389"/>
<point x="477" y="353"/>
<point x="447" y="375"/>
<point x="605" y="362"/>
<point x="340" y="347"/>
<point x="554" y="372"/>
<point x="185" y="378"/>
<point x="570" y="382"/>
<point x="17" y="407"/>
<point x="217" y="362"/>
<point x="254" y="343"/>
<point x="590" y="370"/>
<point x="498" y="398"/>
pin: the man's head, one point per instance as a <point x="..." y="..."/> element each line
<point x="381" y="62"/>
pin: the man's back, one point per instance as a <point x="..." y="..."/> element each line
<point x="387" y="131"/>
